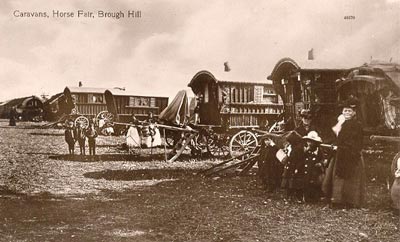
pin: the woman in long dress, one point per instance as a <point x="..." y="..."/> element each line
<point x="344" y="182"/>
<point x="395" y="189"/>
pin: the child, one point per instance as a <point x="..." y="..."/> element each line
<point x="313" y="170"/>
<point x="81" y="137"/>
<point x="291" y="179"/>
<point x="91" y="134"/>
<point x="70" y="137"/>
<point x="269" y="167"/>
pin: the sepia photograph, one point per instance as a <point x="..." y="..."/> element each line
<point x="174" y="120"/>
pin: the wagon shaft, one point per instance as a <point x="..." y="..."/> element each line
<point x="385" y="138"/>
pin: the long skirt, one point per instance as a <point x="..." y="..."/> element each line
<point x="349" y="191"/>
<point x="395" y="193"/>
<point x="133" y="138"/>
<point x="395" y="189"/>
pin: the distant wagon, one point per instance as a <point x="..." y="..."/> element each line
<point x="231" y="109"/>
<point x="120" y="105"/>
<point x="80" y="104"/>
<point x="26" y="108"/>
<point x="77" y="103"/>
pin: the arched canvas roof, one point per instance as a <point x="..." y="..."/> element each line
<point x="281" y="67"/>
<point x="26" y="100"/>
<point x="199" y="79"/>
<point x="378" y="73"/>
<point x="284" y="67"/>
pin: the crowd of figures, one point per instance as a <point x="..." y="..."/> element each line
<point x="78" y="134"/>
<point x="142" y="133"/>
<point x="306" y="168"/>
<point x="309" y="175"/>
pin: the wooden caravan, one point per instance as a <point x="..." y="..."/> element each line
<point x="235" y="104"/>
<point x="230" y="110"/>
<point x="78" y="103"/>
<point x="377" y="87"/>
<point x="310" y="85"/>
<point x="26" y="108"/>
<point x="123" y="104"/>
<point x="88" y="101"/>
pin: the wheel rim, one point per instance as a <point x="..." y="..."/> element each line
<point x="83" y="121"/>
<point x="216" y="146"/>
<point x="242" y="142"/>
<point x="200" y="142"/>
<point x="170" y="138"/>
<point x="106" y="116"/>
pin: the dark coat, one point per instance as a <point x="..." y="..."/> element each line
<point x="70" y="135"/>
<point x="313" y="168"/>
<point x="349" y="142"/>
<point x="270" y="169"/>
<point x="291" y="176"/>
<point x="91" y="134"/>
<point x="80" y="135"/>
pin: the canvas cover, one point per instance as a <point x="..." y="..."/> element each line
<point x="178" y="111"/>
<point x="385" y="78"/>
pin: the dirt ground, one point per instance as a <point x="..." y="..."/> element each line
<point x="46" y="195"/>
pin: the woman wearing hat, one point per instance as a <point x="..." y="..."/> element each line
<point x="345" y="179"/>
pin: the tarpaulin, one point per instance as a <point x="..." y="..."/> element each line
<point x="178" y="111"/>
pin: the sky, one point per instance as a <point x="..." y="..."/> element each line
<point x="158" y="53"/>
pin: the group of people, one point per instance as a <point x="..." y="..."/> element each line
<point x="143" y="133"/>
<point x="309" y="175"/>
<point x="79" y="134"/>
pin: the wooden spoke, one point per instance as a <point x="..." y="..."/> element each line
<point x="82" y="120"/>
<point x="242" y="142"/>
<point x="105" y="117"/>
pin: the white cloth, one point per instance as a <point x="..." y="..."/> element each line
<point x="133" y="138"/>
<point x="157" y="137"/>
<point x="153" y="139"/>
<point x="101" y="123"/>
<point x="397" y="172"/>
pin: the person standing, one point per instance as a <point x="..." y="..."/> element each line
<point x="13" y="115"/>
<point x="313" y="170"/>
<point x="305" y="125"/>
<point x="395" y="189"/>
<point x="81" y="137"/>
<point x="344" y="182"/>
<point x="292" y="182"/>
<point x="91" y="134"/>
<point x="270" y="169"/>
<point x="69" y="135"/>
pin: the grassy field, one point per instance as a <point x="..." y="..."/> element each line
<point x="46" y="195"/>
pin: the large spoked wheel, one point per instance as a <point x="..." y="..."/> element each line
<point x="199" y="144"/>
<point x="277" y="127"/>
<point x="242" y="142"/>
<point x="82" y="120"/>
<point x="217" y="145"/>
<point x="171" y="137"/>
<point x="180" y="146"/>
<point x="103" y="118"/>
